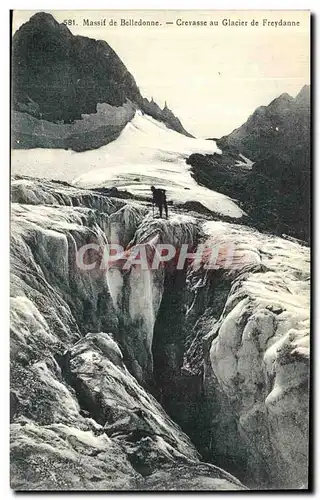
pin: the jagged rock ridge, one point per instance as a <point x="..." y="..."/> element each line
<point x="280" y="130"/>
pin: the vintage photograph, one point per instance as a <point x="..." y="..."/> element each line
<point x="160" y="250"/>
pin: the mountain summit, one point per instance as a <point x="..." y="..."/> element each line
<point x="275" y="189"/>
<point x="58" y="77"/>
<point x="279" y="128"/>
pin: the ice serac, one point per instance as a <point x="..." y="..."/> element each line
<point x="221" y="350"/>
<point x="137" y="295"/>
<point x="79" y="419"/>
<point x="252" y="316"/>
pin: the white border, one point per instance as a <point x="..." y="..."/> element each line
<point x="4" y="186"/>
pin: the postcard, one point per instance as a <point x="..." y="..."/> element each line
<point x="160" y="250"/>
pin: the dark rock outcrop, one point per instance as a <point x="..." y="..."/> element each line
<point x="66" y="75"/>
<point x="163" y="115"/>
<point x="280" y="129"/>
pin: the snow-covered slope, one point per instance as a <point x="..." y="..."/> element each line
<point x="146" y="153"/>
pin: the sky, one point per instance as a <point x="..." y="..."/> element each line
<point x="212" y="77"/>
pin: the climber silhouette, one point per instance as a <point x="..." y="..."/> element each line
<point x="160" y="200"/>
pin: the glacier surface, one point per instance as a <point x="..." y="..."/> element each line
<point x="84" y="347"/>
<point x="146" y="153"/>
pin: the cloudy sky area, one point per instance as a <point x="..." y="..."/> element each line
<point x="213" y="78"/>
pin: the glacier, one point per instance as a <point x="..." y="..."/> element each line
<point x="145" y="153"/>
<point x="106" y="365"/>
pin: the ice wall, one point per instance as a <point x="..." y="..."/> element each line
<point x="83" y="347"/>
<point x="79" y="419"/>
<point x="254" y="323"/>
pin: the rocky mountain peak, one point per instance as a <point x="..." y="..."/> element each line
<point x="67" y="76"/>
<point x="42" y="19"/>
<point x="303" y="98"/>
<point x="283" y="101"/>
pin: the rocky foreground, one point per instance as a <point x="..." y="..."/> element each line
<point x="153" y="380"/>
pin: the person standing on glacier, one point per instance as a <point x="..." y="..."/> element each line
<point x="160" y="200"/>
